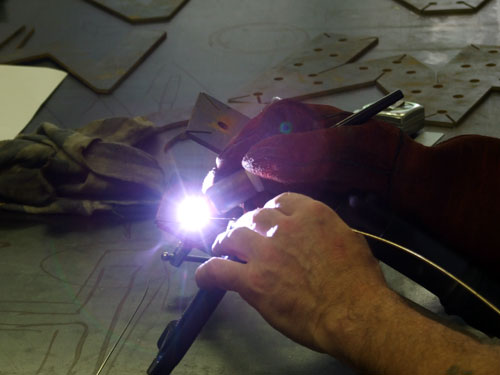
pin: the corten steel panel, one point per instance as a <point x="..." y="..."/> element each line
<point x="98" y="50"/>
<point x="443" y="7"/>
<point x="139" y="11"/>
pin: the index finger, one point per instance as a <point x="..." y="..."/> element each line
<point x="221" y="273"/>
<point x="240" y="242"/>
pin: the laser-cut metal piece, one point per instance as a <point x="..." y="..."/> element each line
<point x="436" y="7"/>
<point x="101" y="69"/>
<point x="298" y="74"/>
<point x="213" y="124"/>
<point x="137" y="11"/>
<point x="71" y="42"/>
<point x="447" y="95"/>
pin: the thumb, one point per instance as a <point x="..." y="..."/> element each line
<point x="292" y="158"/>
<point x="341" y="159"/>
<point x="283" y="117"/>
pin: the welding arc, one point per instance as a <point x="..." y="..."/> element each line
<point x="433" y="265"/>
<point x="210" y="218"/>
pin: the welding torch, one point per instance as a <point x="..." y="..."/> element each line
<point x="226" y="194"/>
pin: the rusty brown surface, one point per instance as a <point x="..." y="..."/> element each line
<point x="298" y="76"/>
<point x="100" y="57"/>
<point x="136" y="11"/>
<point x="447" y="94"/>
<point x="213" y="124"/>
<point x="441" y="7"/>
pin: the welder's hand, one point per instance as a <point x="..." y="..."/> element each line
<point x="449" y="190"/>
<point x="291" y="147"/>
<point x="305" y="270"/>
<point x="280" y="118"/>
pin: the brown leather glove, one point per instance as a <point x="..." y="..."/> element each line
<point x="449" y="190"/>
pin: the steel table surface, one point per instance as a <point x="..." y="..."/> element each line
<point x="69" y="285"/>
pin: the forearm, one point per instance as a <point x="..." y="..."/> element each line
<point x="387" y="336"/>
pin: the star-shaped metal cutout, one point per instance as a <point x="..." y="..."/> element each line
<point x="96" y="48"/>
<point x="139" y="11"/>
<point x="430" y="7"/>
<point x="299" y="73"/>
<point x="447" y="95"/>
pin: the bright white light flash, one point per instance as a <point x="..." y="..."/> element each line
<point x="193" y="213"/>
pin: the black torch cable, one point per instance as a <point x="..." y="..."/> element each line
<point x="179" y="338"/>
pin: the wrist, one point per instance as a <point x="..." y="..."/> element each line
<point x="382" y="333"/>
<point x="349" y="334"/>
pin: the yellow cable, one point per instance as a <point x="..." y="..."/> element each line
<point x="432" y="264"/>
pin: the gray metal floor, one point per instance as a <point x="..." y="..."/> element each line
<point x="68" y="286"/>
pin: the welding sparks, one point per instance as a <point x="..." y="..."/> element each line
<point x="193" y="213"/>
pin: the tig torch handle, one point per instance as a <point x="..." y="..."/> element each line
<point x="178" y="341"/>
<point x="370" y="111"/>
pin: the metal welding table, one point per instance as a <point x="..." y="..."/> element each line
<point x="68" y="286"/>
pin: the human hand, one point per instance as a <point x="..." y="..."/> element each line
<point x="304" y="269"/>
<point x="316" y="281"/>
<point x="291" y="147"/>
<point x="281" y="117"/>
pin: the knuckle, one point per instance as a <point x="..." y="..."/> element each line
<point x="316" y="206"/>
<point x="218" y="244"/>
<point x="287" y="225"/>
<point x="259" y="214"/>
<point x="236" y="235"/>
<point x="319" y="209"/>
<point x="257" y="282"/>
<point x="205" y="273"/>
<point x="284" y="197"/>
<point x="274" y="202"/>
<point x="262" y="215"/>
<point x="209" y="268"/>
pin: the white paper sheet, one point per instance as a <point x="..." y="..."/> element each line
<point x="23" y="90"/>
